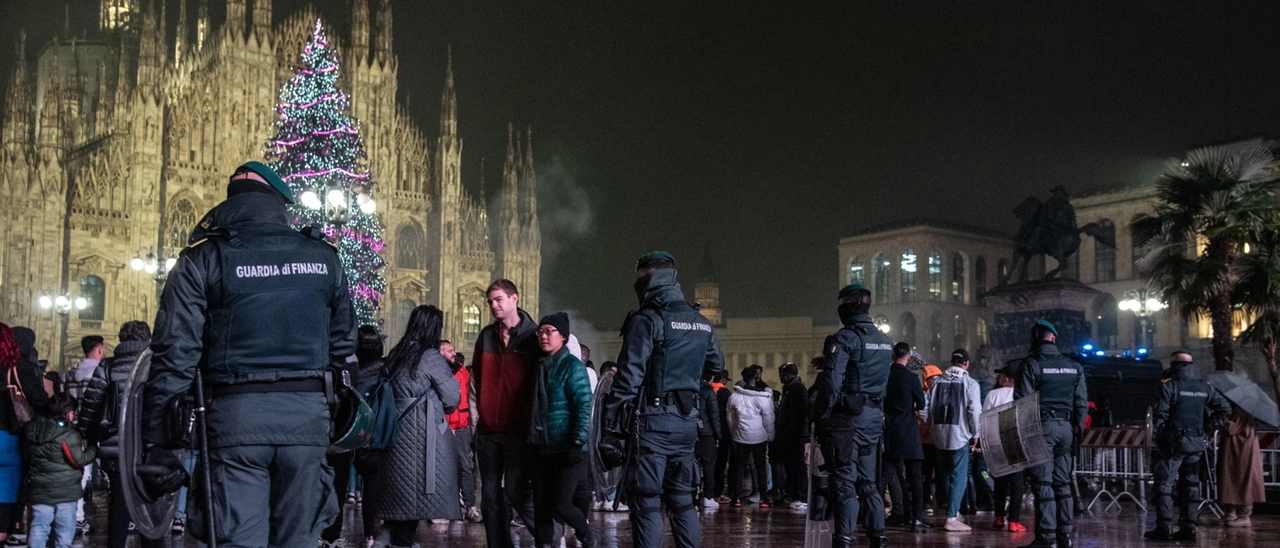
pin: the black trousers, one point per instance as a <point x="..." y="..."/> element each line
<point x="705" y="452"/>
<point x="341" y="463"/>
<point x="909" y="502"/>
<point x="724" y="457"/>
<point x="754" y="452"/>
<point x="558" y="477"/>
<point x="928" y="469"/>
<point x="791" y="455"/>
<point x="118" y="516"/>
<point x="401" y="532"/>
<point x="503" y="485"/>
<point x="1010" y="487"/>
<point x="367" y="515"/>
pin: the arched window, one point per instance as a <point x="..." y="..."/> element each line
<point x="980" y="275"/>
<point x="908" y="322"/>
<point x="935" y="276"/>
<point x="94" y="292"/>
<point x="935" y="337"/>
<point x="471" y="324"/>
<point x="1104" y="256"/>
<point x="881" y="265"/>
<point x="959" y="336"/>
<point x="411" y="249"/>
<point x="403" y="311"/>
<point x="182" y="219"/>
<point x="980" y="332"/>
<point x="1002" y="271"/>
<point x="1138" y="251"/>
<point x="908" y="268"/>
<point x="1106" y="313"/>
<point x="857" y="271"/>
<point x="957" y="278"/>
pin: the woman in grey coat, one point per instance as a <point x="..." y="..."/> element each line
<point x="417" y="477"/>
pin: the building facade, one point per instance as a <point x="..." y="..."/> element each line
<point x="113" y="148"/>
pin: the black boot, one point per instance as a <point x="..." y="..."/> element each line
<point x="1161" y="532"/>
<point x="1185" y="533"/>
<point x="1041" y="542"/>
<point x="1064" y="542"/>
<point x="841" y="541"/>
<point x="918" y="526"/>
<point x="880" y="540"/>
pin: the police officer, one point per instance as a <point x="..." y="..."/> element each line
<point x="668" y="348"/>
<point x="1187" y="408"/>
<point x="1064" y="404"/>
<point x="851" y="421"/>
<point x="261" y="310"/>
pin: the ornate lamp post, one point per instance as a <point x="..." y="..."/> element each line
<point x="156" y="266"/>
<point x="62" y="305"/>
<point x="1144" y="303"/>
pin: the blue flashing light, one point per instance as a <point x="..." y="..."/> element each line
<point x="1100" y="353"/>
<point x="1142" y="351"/>
<point x="1088" y="347"/>
<point x="1127" y="353"/>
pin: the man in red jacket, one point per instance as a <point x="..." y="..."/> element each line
<point x="502" y="380"/>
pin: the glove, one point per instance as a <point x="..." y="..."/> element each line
<point x="1077" y="435"/>
<point x="160" y="474"/>
<point x="612" y="450"/>
<point x="575" y="453"/>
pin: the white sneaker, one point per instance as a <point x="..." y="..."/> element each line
<point x="799" y="505"/>
<point x="621" y="507"/>
<point x="955" y="525"/>
<point x="710" y="504"/>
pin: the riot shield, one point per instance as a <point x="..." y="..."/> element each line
<point x="1012" y="440"/>
<point x="152" y="519"/>
<point x="819" y="521"/>
<point x="606" y="481"/>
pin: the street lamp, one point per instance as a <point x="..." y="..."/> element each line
<point x="157" y="266"/>
<point x="61" y="305"/>
<point x="1144" y="303"/>
<point x="883" y="324"/>
<point x="339" y="203"/>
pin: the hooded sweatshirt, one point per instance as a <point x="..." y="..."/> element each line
<point x="955" y="403"/>
<point x="751" y="415"/>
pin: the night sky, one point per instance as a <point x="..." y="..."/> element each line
<point x="765" y="131"/>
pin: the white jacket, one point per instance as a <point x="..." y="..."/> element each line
<point x="751" y="415"/>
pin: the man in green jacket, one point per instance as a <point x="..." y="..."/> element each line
<point x="559" y="426"/>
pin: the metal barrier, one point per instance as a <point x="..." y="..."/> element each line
<point x="1115" y="459"/>
<point x="1269" y="443"/>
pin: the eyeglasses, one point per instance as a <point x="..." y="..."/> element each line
<point x="547" y="332"/>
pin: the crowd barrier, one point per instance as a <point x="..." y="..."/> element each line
<point x="1269" y="442"/>
<point x="1115" y="461"/>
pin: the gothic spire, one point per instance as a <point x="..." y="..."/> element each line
<point x="17" y="100"/>
<point x="180" y="35"/>
<point x="51" y="110"/>
<point x="202" y="23"/>
<point x="382" y="32"/>
<point x="449" y="103"/>
<point x="262" y="19"/>
<point x="359" y="32"/>
<point x="235" y="18"/>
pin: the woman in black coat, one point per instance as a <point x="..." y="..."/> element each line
<point x="902" y="451"/>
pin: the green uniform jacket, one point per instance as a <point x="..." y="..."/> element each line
<point x="561" y="404"/>
<point x="57" y="461"/>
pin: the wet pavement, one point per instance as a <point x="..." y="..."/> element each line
<point x="784" y="528"/>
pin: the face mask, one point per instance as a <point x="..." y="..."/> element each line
<point x="1180" y="364"/>
<point x="847" y="312"/>
<point x="642" y="284"/>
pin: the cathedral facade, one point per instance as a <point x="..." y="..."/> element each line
<point x="112" y="148"/>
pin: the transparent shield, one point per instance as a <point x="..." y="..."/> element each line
<point x="152" y="519"/>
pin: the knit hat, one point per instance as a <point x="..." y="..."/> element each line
<point x="270" y="176"/>
<point x="559" y="320"/>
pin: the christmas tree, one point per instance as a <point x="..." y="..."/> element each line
<point x="317" y="149"/>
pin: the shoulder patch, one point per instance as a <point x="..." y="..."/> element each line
<point x="1164" y="380"/>
<point x="198" y="242"/>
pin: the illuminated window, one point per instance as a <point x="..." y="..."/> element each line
<point x="881" y="264"/>
<point x="957" y="277"/>
<point x="471" y="324"/>
<point x="980" y="275"/>
<point x="94" y="292"/>
<point x="908" y="268"/>
<point x="857" y="271"/>
<point x="980" y="331"/>
<point x="1104" y="256"/>
<point x="935" y="276"/>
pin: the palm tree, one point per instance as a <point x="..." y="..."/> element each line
<point x="1206" y="210"/>
<point x="1259" y="294"/>
<point x="1264" y="333"/>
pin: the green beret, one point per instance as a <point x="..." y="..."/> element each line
<point x="850" y="289"/>
<point x="1045" y="324"/>
<point x="654" y="257"/>
<point x="271" y="177"/>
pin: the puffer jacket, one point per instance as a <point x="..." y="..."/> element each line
<point x="57" y="460"/>
<point x="751" y="415"/>
<point x="561" y="404"/>
<point x="953" y="407"/>
<point x="112" y="375"/>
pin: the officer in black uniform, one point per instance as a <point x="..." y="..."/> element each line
<point x="261" y="310"/>
<point x="668" y="348"/>
<point x="1064" y="404"/>
<point x="1188" y="407"/>
<point x="851" y="421"/>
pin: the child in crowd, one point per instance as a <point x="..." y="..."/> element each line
<point x="57" y="460"/>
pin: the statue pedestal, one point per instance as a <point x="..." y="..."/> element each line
<point x="1065" y="303"/>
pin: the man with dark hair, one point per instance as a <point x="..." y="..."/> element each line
<point x="793" y="433"/>
<point x="667" y="349"/>
<point x="1188" y="408"/>
<point x="954" y="406"/>
<point x="94" y="350"/>
<point x="903" y="454"/>
<point x="503" y="372"/>
<point x="260" y="310"/>
<point x="850" y="417"/>
<point x="1064" y="404"/>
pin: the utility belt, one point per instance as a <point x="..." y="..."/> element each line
<point x="852" y="404"/>
<point x="315" y="384"/>
<point x="686" y="400"/>
<point x="1054" y="415"/>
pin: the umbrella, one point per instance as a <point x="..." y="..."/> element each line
<point x="1245" y="394"/>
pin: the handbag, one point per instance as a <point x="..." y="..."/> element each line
<point x="18" y="399"/>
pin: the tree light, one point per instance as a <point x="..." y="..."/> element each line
<point x="310" y="200"/>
